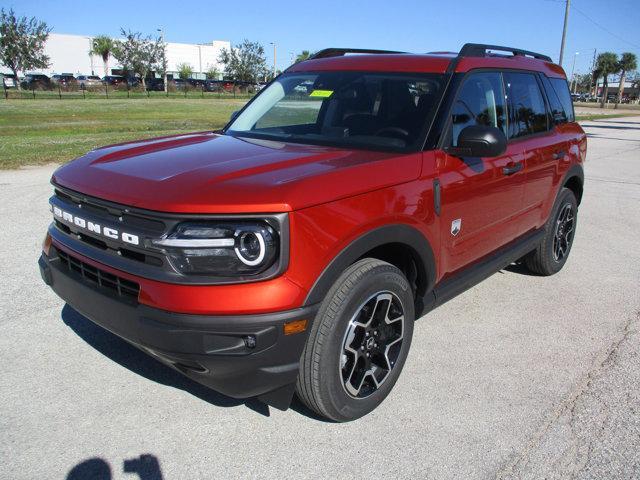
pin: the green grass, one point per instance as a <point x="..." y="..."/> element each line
<point x="598" y="116"/>
<point x="54" y="131"/>
<point x="45" y="131"/>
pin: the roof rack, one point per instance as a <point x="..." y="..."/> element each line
<point x="339" y="52"/>
<point x="480" y="50"/>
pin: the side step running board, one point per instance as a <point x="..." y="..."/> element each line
<point x="470" y="276"/>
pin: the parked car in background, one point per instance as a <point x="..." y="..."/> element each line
<point x="211" y="85"/>
<point x="155" y="84"/>
<point x="64" y="80"/>
<point x="179" y="83"/>
<point x="89" y="81"/>
<point x="196" y="82"/>
<point x="113" y="80"/>
<point x="36" y="81"/>
<point x="133" y="81"/>
<point x="8" y="80"/>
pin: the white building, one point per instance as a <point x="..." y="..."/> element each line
<point x="70" y="54"/>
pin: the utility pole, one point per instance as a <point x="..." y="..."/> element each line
<point x="164" y="59"/>
<point x="274" y="58"/>
<point x="573" y="78"/>
<point x="593" y="69"/>
<point x="564" y="30"/>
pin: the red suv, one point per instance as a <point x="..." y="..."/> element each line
<point x="292" y="251"/>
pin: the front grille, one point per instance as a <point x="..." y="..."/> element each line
<point x="115" y="285"/>
<point x="109" y="214"/>
<point x="120" y="213"/>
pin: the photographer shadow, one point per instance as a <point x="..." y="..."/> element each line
<point x="135" y="360"/>
<point x="146" y="466"/>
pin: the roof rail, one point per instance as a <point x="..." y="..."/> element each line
<point x="339" y="52"/>
<point x="480" y="50"/>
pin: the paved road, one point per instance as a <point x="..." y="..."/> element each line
<point x="520" y="377"/>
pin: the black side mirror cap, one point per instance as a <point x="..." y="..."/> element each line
<point x="234" y="115"/>
<point x="479" y="141"/>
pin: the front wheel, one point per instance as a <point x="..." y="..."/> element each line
<point x="553" y="251"/>
<point x="358" y="343"/>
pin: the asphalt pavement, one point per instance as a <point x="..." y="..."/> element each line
<point x="521" y="377"/>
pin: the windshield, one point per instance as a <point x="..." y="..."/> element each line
<point x="367" y="110"/>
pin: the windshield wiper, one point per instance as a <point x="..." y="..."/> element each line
<point x="253" y="134"/>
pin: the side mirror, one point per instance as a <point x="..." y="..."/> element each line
<point x="234" y="115"/>
<point x="479" y="141"/>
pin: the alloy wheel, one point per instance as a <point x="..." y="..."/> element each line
<point x="372" y="344"/>
<point x="565" y="226"/>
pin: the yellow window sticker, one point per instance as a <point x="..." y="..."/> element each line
<point x="321" y="93"/>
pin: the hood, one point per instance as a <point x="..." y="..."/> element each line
<point x="210" y="173"/>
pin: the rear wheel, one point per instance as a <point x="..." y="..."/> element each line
<point x="553" y="251"/>
<point x="359" y="342"/>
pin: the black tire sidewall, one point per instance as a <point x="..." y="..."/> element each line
<point x="566" y="196"/>
<point x="382" y="278"/>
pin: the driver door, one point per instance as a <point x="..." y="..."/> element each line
<point x="481" y="197"/>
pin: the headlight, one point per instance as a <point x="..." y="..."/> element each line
<point x="221" y="248"/>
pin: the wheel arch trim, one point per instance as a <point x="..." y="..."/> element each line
<point x="575" y="171"/>
<point x="402" y="234"/>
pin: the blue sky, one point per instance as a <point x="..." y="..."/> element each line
<point x="416" y="26"/>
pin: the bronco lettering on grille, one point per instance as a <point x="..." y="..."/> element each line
<point x="94" y="227"/>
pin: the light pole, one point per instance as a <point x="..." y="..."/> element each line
<point x="274" y="58"/>
<point x="564" y="30"/>
<point x="90" y="54"/>
<point x="573" y="67"/>
<point x="164" y="59"/>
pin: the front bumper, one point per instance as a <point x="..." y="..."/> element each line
<point x="240" y="356"/>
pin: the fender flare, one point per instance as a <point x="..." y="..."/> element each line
<point x="575" y="170"/>
<point x="396" y="233"/>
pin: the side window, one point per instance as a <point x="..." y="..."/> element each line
<point x="558" y="113"/>
<point x="480" y="101"/>
<point x="528" y="114"/>
<point x="561" y="88"/>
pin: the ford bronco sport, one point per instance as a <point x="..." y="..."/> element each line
<point x="292" y="251"/>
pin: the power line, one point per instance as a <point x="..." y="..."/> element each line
<point x="605" y="29"/>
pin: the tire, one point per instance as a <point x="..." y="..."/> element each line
<point x="358" y="343"/>
<point x="545" y="260"/>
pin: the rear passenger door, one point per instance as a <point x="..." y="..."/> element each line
<point x="531" y="133"/>
<point x="481" y="197"/>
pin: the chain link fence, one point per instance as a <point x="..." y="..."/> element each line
<point x="57" y="91"/>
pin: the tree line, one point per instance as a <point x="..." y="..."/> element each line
<point x="22" y="42"/>
<point x="608" y="64"/>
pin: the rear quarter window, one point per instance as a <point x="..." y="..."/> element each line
<point x="527" y="109"/>
<point x="561" y="89"/>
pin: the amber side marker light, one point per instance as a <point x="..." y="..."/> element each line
<point x="296" y="326"/>
<point x="46" y="244"/>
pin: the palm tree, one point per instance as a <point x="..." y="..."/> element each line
<point x="302" y="56"/>
<point x="103" y="46"/>
<point x="606" y="64"/>
<point x="628" y="63"/>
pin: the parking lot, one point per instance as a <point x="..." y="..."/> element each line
<point x="519" y="377"/>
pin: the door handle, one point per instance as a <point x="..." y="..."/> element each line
<point x="559" y="155"/>
<point x="511" y="169"/>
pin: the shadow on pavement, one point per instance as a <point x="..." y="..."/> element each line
<point x="612" y="127"/>
<point x="130" y="357"/>
<point x="625" y="123"/>
<point x="146" y="466"/>
<point x="521" y="269"/>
